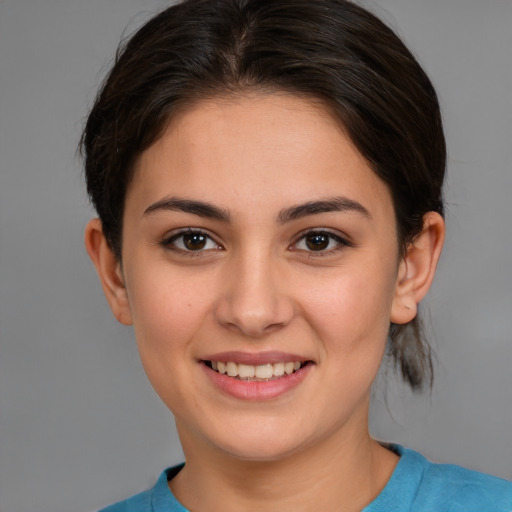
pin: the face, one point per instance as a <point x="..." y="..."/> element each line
<point x="258" y="242"/>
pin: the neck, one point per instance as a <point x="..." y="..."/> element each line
<point x="344" y="472"/>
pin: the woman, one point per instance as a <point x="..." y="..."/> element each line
<point x="268" y="177"/>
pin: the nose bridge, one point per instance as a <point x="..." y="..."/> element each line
<point x="254" y="300"/>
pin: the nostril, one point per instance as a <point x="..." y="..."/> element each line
<point x="256" y="310"/>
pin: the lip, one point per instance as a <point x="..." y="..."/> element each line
<point x="256" y="358"/>
<point x="256" y="390"/>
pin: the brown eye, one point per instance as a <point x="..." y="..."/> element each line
<point x="321" y="242"/>
<point x="195" y="241"/>
<point x="190" y="241"/>
<point x="317" y="241"/>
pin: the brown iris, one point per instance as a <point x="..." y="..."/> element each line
<point x="317" y="241"/>
<point x="194" y="241"/>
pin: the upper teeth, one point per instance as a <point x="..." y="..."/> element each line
<point x="262" y="371"/>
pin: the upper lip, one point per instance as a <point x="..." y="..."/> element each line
<point x="255" y="358"/>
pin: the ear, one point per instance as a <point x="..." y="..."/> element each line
<point x="417" y="268"/>
<point x="109" y="271"/>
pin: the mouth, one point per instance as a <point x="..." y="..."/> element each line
<point x="256" y="376"/>
<point x="256" y="373"/>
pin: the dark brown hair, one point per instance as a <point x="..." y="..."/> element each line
<point x="331" y="50"/>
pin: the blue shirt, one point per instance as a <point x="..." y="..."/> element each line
<point x="416" y="485"/>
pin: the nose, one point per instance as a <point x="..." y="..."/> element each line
<point x="254" y="301"/>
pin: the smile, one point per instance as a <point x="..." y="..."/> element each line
<point x="255" y="373"/>
<point x="256" y="376"/>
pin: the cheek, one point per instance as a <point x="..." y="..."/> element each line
<point x="168" y="307"/>
<point x="169" y="312"/>
<point x="351" y="311"/>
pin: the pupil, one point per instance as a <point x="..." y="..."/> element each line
<point x="317" y="242"/>
<point x="194" y="241"/>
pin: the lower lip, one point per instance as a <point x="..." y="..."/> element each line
<point x="256" y="390"/>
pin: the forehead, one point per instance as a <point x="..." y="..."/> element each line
<point x="256" y="150"/>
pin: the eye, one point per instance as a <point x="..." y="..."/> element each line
<point x="191" y="241"/>
<point x="319" y="241"/>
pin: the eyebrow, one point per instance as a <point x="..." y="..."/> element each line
<point x="200" y="208"/>
<point x="207" y="210"/>
<point x="332" y="204"/>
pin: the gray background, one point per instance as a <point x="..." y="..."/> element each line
<point x="79" y="425"/>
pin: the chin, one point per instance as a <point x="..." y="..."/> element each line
<point x="261" y="442"/>
<point x="263" y="451"/>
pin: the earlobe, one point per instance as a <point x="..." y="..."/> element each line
<point x="109" y="271"/>
<point x="417" y="269"/>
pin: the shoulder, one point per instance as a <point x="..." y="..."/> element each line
<point x="418" y="485"/>
<point x="156" y="499"/>
<point x="453" y="488"/>
<point x="140" y="502"/>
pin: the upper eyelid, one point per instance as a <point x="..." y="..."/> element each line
<point x="188" y="230"/>
<point x="177" y="233"/>
<point x="341" y="241"/>
<point x="335" y="234"/>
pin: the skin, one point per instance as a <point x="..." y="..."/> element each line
<point x="257" y="286"/>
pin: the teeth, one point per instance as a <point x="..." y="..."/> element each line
<point x="262" y="371"/>
<point x="232" y="369"/>
<point x="245" y="370"/>
<point x="278" y="369"/>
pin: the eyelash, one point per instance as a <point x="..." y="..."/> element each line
<point x="340" y="243"/>
<point x="170" y="242"/>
